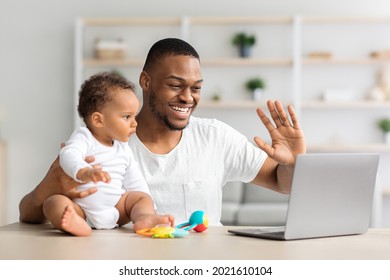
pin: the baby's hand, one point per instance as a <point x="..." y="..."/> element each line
<point x="94" y="174"/>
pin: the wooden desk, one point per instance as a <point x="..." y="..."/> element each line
<point x="41" y="242"/>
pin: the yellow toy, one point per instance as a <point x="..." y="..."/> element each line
<point x="163" y="231"/>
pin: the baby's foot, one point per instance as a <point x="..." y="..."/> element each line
<point x="149" y="221"/>
<point x="73" y="223"/>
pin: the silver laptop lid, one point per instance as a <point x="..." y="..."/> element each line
<point x="331" y="195"/>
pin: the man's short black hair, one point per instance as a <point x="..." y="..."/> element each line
<point x="168" y="47"/>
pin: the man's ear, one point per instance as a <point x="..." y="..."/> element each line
<point x="144" y="80"/>
<point x="97" y="119"/>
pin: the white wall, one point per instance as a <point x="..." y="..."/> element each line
<point x="36" y="66"/>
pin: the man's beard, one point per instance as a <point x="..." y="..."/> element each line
<point x="163" y="118"/>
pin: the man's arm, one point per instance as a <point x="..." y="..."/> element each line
<point x="55" y="182"/>
<point x="287" y="142"/>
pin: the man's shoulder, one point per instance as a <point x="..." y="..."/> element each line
<point x="196" y="123"/>
<point x="206" y="130"/>
<point x="207" y="125"/>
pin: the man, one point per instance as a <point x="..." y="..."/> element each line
<point x="186" y="160"/>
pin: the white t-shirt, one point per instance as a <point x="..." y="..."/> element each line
<point x="191" y="176"/>
<point x="117" y="160"/>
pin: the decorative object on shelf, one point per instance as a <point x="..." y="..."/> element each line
<point x="382" y="54"/>
<point x="110" y="49"/>
<point x="338" y="95"/>
<point x="381" y="91"/>
<point x="256" y="87"/>
<point x="215" y="97"/>
<point x="384" y="125"/>
<point x="320" y="55"/>
<point x="244" y="42"/>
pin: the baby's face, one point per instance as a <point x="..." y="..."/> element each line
<point x="119" y="115"/>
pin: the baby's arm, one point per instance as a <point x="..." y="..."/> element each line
<point x="72" y="156"/>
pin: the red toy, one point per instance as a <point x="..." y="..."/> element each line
<point x="198" y="222"/>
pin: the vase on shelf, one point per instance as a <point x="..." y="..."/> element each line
<point x="244" y="42"/>
<point x="245" y="51"/>
<point x="256" y="87"/>
<point x="257" y="94"/>
<point x="384" y="125"/>
<point x="387" y="138"/>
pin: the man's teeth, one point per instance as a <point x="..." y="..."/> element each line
<point x="180" y="109"/>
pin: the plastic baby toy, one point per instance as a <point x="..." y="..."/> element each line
<point x="198" y="222"/>
<point x="163" y="231"/>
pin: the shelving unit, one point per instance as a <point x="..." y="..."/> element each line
<point x="281" y="58"/>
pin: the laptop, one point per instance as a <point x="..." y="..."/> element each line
<point x="331" y="195"/>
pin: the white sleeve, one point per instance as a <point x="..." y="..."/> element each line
<point x="243" y="160"/>
<point x="72" y="156"/>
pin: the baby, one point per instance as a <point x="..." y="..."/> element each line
<point x="108" y="106"/>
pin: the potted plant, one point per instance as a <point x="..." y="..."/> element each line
<point x="384" y="125"/>
<point x="256" y="87"/>
<point x="244" y="42"/>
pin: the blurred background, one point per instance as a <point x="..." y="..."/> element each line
<point x="327" y="58"/>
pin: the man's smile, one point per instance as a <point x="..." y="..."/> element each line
<point x="181" y="109"/>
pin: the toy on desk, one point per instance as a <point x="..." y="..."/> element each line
<point x="198" y="222"/>
<point x="163" y="231"/>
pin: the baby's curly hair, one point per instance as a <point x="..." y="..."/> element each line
<point x="97" y="90"/>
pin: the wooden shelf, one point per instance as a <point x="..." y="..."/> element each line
<point x="231" y="104"/>
<point x="93" y="62"/>
<point x="247" y="62"/>
<point x="386" y="192"/>
<point x="345" y="104"/>
<point x="345" y="19"/>
<point x="131" y="21"/>
<point x="240" y="20"/>
<point x="345" y="61"/>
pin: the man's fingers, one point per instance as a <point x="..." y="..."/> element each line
<point x="282" y="114"/>
<point x="72" y="194"/>
<point x="293" y="116"/>
<point x="274" y="114"/>
<point x="87" y="192"/>
<point x="264" y="146"/>
<point x="265" y="120"/>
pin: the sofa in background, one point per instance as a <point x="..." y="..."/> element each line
<point x="248" y="205"/>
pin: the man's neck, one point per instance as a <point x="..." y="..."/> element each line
<point x="156" y="136"/>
